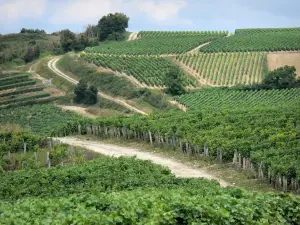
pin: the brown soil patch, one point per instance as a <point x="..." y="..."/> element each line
<point x="279" y="59"/>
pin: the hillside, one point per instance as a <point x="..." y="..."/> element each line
<point x="223" y="148"/>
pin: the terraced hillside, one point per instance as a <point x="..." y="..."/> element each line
<point x="19" y="89"/>
<point x="218" y="99"/>
<point x="161" y="45"/>
<point x="148" y="70"/>
<point x="252" y="40"/>
<point x="225" y="69"/>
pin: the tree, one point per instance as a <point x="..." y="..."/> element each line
<point x="91" y="31"/>
<point x="33" y="52"/>
<point x="85" y="94"/>
<point x="112" y="26"/>
<point x="80" y="91"/>
<point x="283" y="77"/>
<point x="91" y="95"/>
<point x="67" y="40"/>
<point x="174" y="81"/>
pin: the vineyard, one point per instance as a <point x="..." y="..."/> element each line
<point x="103" y="188"/>
<point x="218" y="99"/>
<point x="40" y="119"/>
<point x="267" y="136"/>
<point x="149" y="70"/>
<point x="18" y="89"/>
<point x="163" y="45"/>
<point x="226" y="69"/>
<point x="253" y="31"/>
<point x="144" y="34"/>
<point x="21" y="150"/>
<point x="253" y="40"/>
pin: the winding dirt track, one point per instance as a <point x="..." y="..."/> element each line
<point x="179" y="169"/>
<point x="52" y="66"/>
<point x="133" y="36"/>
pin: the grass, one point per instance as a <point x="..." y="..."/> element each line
<point x="41" y="68"/>
<point x="147" y="100"/>
<point x="238" y="178"/>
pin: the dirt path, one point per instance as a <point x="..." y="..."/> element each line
<point x="188" y="70"/>
<point x="179" y="169"/>
<point x="52" y="66"/>
<point x="133" y="36"/>
<point x="77" y="109"/>
<point x="195" y="50"/>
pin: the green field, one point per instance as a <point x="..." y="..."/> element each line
<point x="148" y="70"/>
<point x="143" y="34"/>
<point x="257" y="40"/>
<point x="225" y="69"/>
<point x="20" y="89"/>
<point x="130" y="191"/>
<point x="163" y="45"/>
<point x="41" y="119"/>
<point x="218" y="99"/>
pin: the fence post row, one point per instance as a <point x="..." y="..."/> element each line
<point x="280" y="182"/>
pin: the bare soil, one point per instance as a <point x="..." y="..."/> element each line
<point x="279" y="59"/>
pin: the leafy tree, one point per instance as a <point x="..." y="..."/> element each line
<point x="67" y="39"/>
<point x="80" y="91"/>
<point x="91" y="95"/>
<point x="91" y="31"/>
<point x="112" y="26"/>
<point x="85" y="94"/>
<point x="174" y="81"/>
<point x="32" y="31"/>
<point x="33" y="52"/>
<point x="283" y="77"/>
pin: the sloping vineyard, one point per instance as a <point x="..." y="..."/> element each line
<point x="225" y="69"/>
<point x="269" y="136"/>
<point x="41" y="119"/>
<point x="163" y="45"/>
<point x="149" y="70"/>
<point x="218" y="99"/>
<point x="18" y="89"/>
<point x="253" y="31"/>
<point x="144" y="34"/>
<point x="268" y="41"/>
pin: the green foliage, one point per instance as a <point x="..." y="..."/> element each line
<point x="282" y="40"/>
<point x="155" y="34"/>
<point x="67" y="39"/>
<point x="253" y="31"/>
<point x="174" y="81"/>
<point x="113" y="27"/>
<point x="32" y="31"/>
<point x="149" y="70"/>
<point x="40" y="119"/>
<point x="80" y="91"/>
<point x="250" y="131"/>
<point x="91" y="95"/>
<point x="283" y="77"/>
<point x="154" y="46"/>
<point x="85" y="94"/>
<point x="224" y="98"/>
<point x="21" y="47"/>
<point x="226" y="69"/>
<point x="112" y="84"/>
<point x="33" y="52"/>
<point x="137" y="192"/>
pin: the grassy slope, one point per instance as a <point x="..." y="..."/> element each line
<point x="113" y="85"/>
<point x="60" y="83"/>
